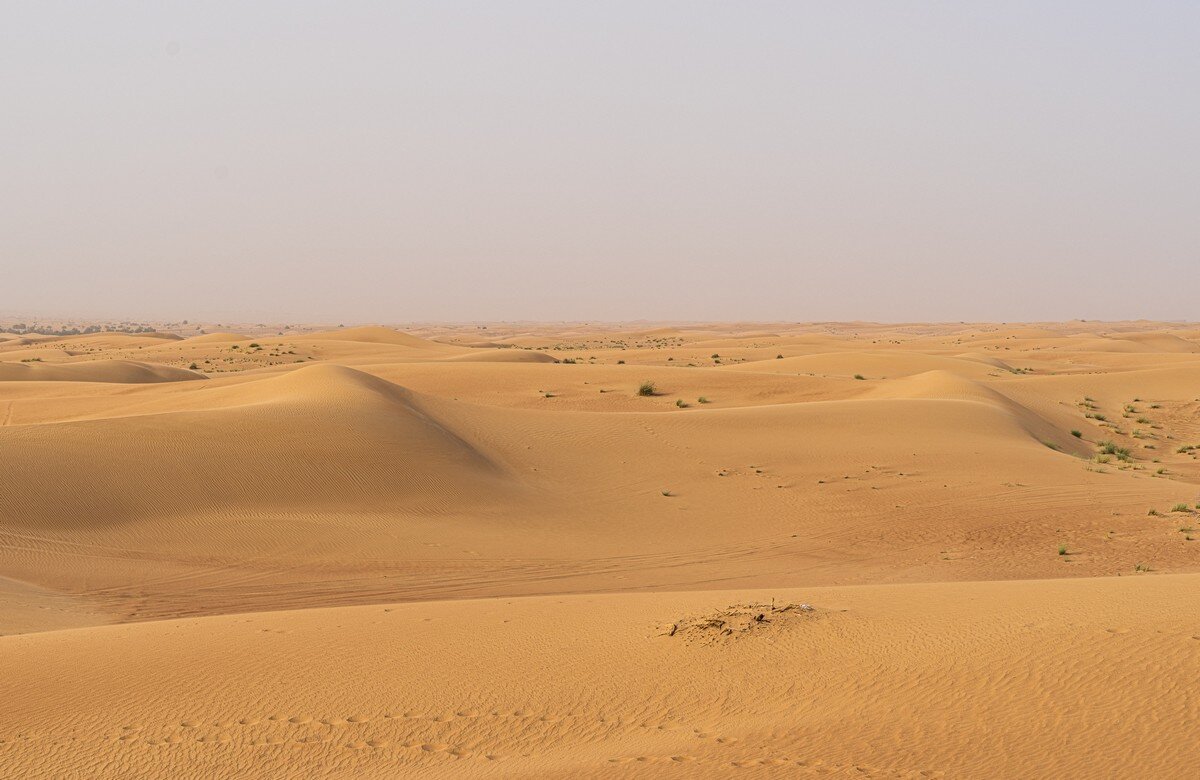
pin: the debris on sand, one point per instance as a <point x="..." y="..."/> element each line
<point x="739" y="620"/>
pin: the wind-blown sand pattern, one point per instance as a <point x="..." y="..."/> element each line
<point x="840" y="550"/>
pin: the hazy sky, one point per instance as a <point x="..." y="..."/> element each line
<point x="564" y="160"/>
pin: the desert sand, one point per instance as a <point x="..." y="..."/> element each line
<point x="827" y="549"/>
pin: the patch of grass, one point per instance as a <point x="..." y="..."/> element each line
<point x="702" y="400"/>
<point x="859" y="376"/>
<point x="1154" y="513"/>
<point x="680" y="403"/>
<point x="1077" y="434"/>
<point x="194" y="367"/>
<point x="647" y="388"/>
<point x="779" y="356"/>
<point x="1141" y="567"/>
<point x="620" y="362"/>
<point x="1143" y="421"/>
<point x="1108" y="447"/>
<point x="1062" y="549"/>
<point x="1181" y="508"/>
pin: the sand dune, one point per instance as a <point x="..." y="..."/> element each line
<point x="843" y="682"/>
<point x="119" y="371"/>
<point x="218" y="338"/>
<point x="372" y="335"/>
<point x="368" y="553"/>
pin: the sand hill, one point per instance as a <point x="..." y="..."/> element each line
<point x="841" y="550"/>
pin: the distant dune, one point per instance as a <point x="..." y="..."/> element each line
<point x="217" y="338"/>
<point x="121" y="371"/>
<point x="372" y="335"/>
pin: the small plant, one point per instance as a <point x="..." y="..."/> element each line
<point x="715" y="356"/>
<point x="702" y="400"/>
<point x="194" y="367"/>
<point x="680" y="403"/>
<point x="1181" y="508"/>
<point x="1143" y="421"/>
<point x="647" y="388"/>
<point x="1141" y="567"/>
<point x="1062" y="549"/>
<point x="255" y="346"/>
<point x="1154" y="513"/>
<point x="1107" y="447"/>
<point x="1077" y="434"/>
<point x="620" y="362"/>
<point x="779" y="356"/>
<point x="859" y="376"/>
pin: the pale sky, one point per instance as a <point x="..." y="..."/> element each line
<point x="391" y="161"/>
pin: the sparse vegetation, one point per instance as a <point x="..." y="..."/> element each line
<point x="647" y="389"/>
<point x="1108" y="447"/>
<point x="1062" y="549"/>
<point x="1181" y="508"/>
<point x="681" y="403"/>
<point x="702" y="400"/>
<point x="859" y="376"/>
<point x="1077" y="434"/>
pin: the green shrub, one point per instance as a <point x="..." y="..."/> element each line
<point x="647" y="388"/>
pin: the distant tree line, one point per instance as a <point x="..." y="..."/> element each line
<point x="21" y="328"/>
